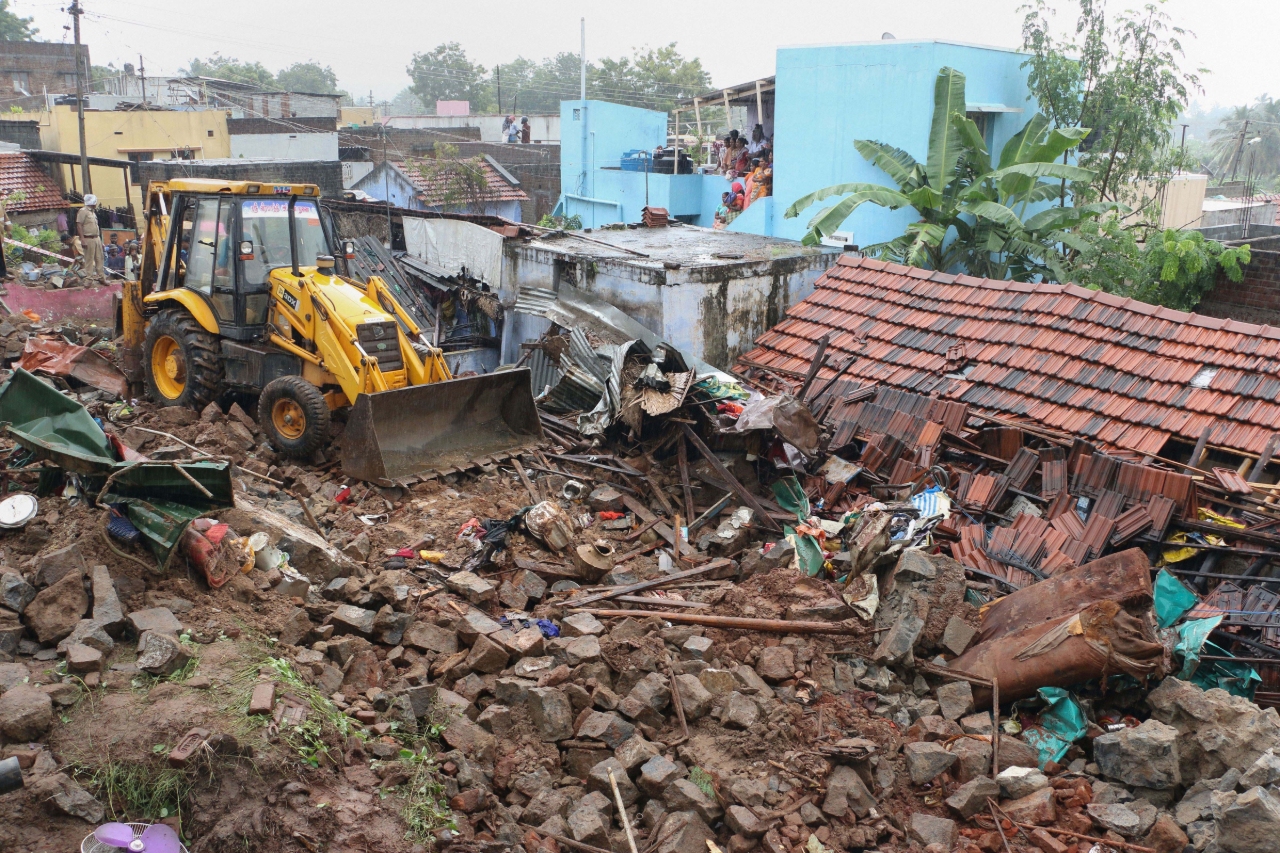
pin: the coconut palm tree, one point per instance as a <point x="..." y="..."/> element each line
<point x="975" y="216"/>
<point x="1230" y="143"/>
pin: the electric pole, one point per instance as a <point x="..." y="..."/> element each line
<point x="142" y="73"/>
<point x="1235" y="162"/>
<point x="497" y="72"/>
<point x="76" y="11"/>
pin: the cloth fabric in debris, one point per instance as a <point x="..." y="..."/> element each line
<point x="1172" y="599"/>
<point x="790" y="418"/>
<point x="1060" y="724"/>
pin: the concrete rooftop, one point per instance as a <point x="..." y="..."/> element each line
<point x="685" y="245"/>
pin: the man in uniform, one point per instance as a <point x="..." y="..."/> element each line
<point x="91" y="238"/>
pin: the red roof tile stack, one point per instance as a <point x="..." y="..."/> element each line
<point x="19" y="173"/>
<point x="1116" y="371"/>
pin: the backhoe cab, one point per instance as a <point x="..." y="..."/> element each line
<point x="238" y="291"/>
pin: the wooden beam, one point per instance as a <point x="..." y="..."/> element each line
<point x="741" y="490"/>
<point x="819" y="358"/>
<point x="1267" y="452"/>
<point x="650" y="584"/>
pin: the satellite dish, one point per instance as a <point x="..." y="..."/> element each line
<point x="887" y="37"/>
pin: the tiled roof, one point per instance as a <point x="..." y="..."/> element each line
<point x="1084" y="362"/>
<point x="18" y="172"/>
<point x="433" y="188"/>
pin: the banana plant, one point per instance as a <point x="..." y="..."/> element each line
<point x="975" y="215"/>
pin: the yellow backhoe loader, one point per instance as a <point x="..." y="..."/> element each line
<point x="238" y="291"/>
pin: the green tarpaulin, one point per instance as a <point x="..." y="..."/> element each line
<point x="1172" y="599"/>
<point x="53" y="425"/>
<point x="1060" y="725"/>
<point x="160" y="500"/>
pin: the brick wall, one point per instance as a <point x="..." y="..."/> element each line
<point x="1256" y="299"/>
<point x="48" y="66"/>
<point x="238" y="126"/>
<point x="24" y="134"/>
<point x="325" y="173"/>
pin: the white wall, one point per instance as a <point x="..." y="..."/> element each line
<point x="542" y="128"/>
<point x="353" y="171"/>
<point x="285" y="146"/>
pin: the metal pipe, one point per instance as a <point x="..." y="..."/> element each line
<point x="293" y="237"/>
<point x="10" y="775"/>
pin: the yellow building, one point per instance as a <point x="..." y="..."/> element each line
<point x="359" y="116"/>
<point x="136" y="135"/>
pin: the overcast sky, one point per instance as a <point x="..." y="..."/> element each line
<point x="369" y="43"/>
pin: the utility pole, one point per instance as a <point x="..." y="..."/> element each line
<point x="76" y="11"/>
<point x="497" y="72"/>
<point x="1235" y="162"/>
<point x="142" y="74"/>
<point x="386" y="178"/>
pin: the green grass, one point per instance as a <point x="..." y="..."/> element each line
<point x="312" y="739"/>
<point x="139" y="792"/>
<point x="426" y="807"/>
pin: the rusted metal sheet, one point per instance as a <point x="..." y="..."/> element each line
<point x="1124" y="577"/>
<point x="59" y="358"/>
<point x="1101" y="639"/>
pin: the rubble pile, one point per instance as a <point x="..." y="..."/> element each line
<point x="702" y="615"/>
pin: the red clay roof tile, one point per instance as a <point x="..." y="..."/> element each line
<point x="1076" y="360"/>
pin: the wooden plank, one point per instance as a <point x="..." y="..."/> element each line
<point x="819" y="358"/>
<point x="660" y="527"/>
<point x="524" y="478"/>
<point x="682" y="457"/>
<point x="650" y="584"/>
<point x="741" y="490"/>
<point x="661" y="602"/>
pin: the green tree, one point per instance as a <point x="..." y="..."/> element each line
<point x="1118" y="73"/>
<point x="664" y="76"/>
<point x="447" y="74"/>
<point x="458" y="182"/>
<point x="974" y="215"/>
<point x="311" y="77"/>
<point x="1180" y="268"/>
<point x="407" y="103"/>
<point x="13" y="27"/>
<point x="1232" y="146"/>
<point x="230" y="68"/>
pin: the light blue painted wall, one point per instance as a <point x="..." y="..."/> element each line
<point x="826" y="97"/>
<point x="829" y="96"/>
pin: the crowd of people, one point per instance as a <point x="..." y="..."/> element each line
<point x="751" y="161"/>
<point x="516" y="131"/>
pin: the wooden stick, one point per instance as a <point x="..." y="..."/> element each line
<point x="638" y="532"/>
<point x="568" y="842"/>
<point x="943" y="672"/>
<point x="306" y="510"/>
<point x="643" y="549"/>
<point x="741" y="490"/>
<point x="739" y="623"/>
<point x="677" y="701"/>
<point x="659" y="526"/>
<point x="819" y="359"/>
<point x="524" y="478"/>
<point x="995" y="727"/>
<point x="682" y="459"/>
<point x="192" y="480"/>
<point x="1000" y="829"/>
<point x="192" y="447"/>
<point x="622" y="812"/>
<point x="1122" y="844"/>
<point x="993" y="804"/>
<point x="711" y="513"/>
<point x="698" y="605"/>
<point x="652" y="584"/>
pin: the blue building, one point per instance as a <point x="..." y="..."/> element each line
<point x="822" y="98"/>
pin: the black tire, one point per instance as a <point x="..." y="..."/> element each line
<point x="282" y="403"/>
<point x="195" y="355"/>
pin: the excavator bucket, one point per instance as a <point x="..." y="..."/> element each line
<point x="411" y="431"/>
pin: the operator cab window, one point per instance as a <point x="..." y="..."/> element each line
<point x="208" y="250"/>
<point x="265" y="223"/>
